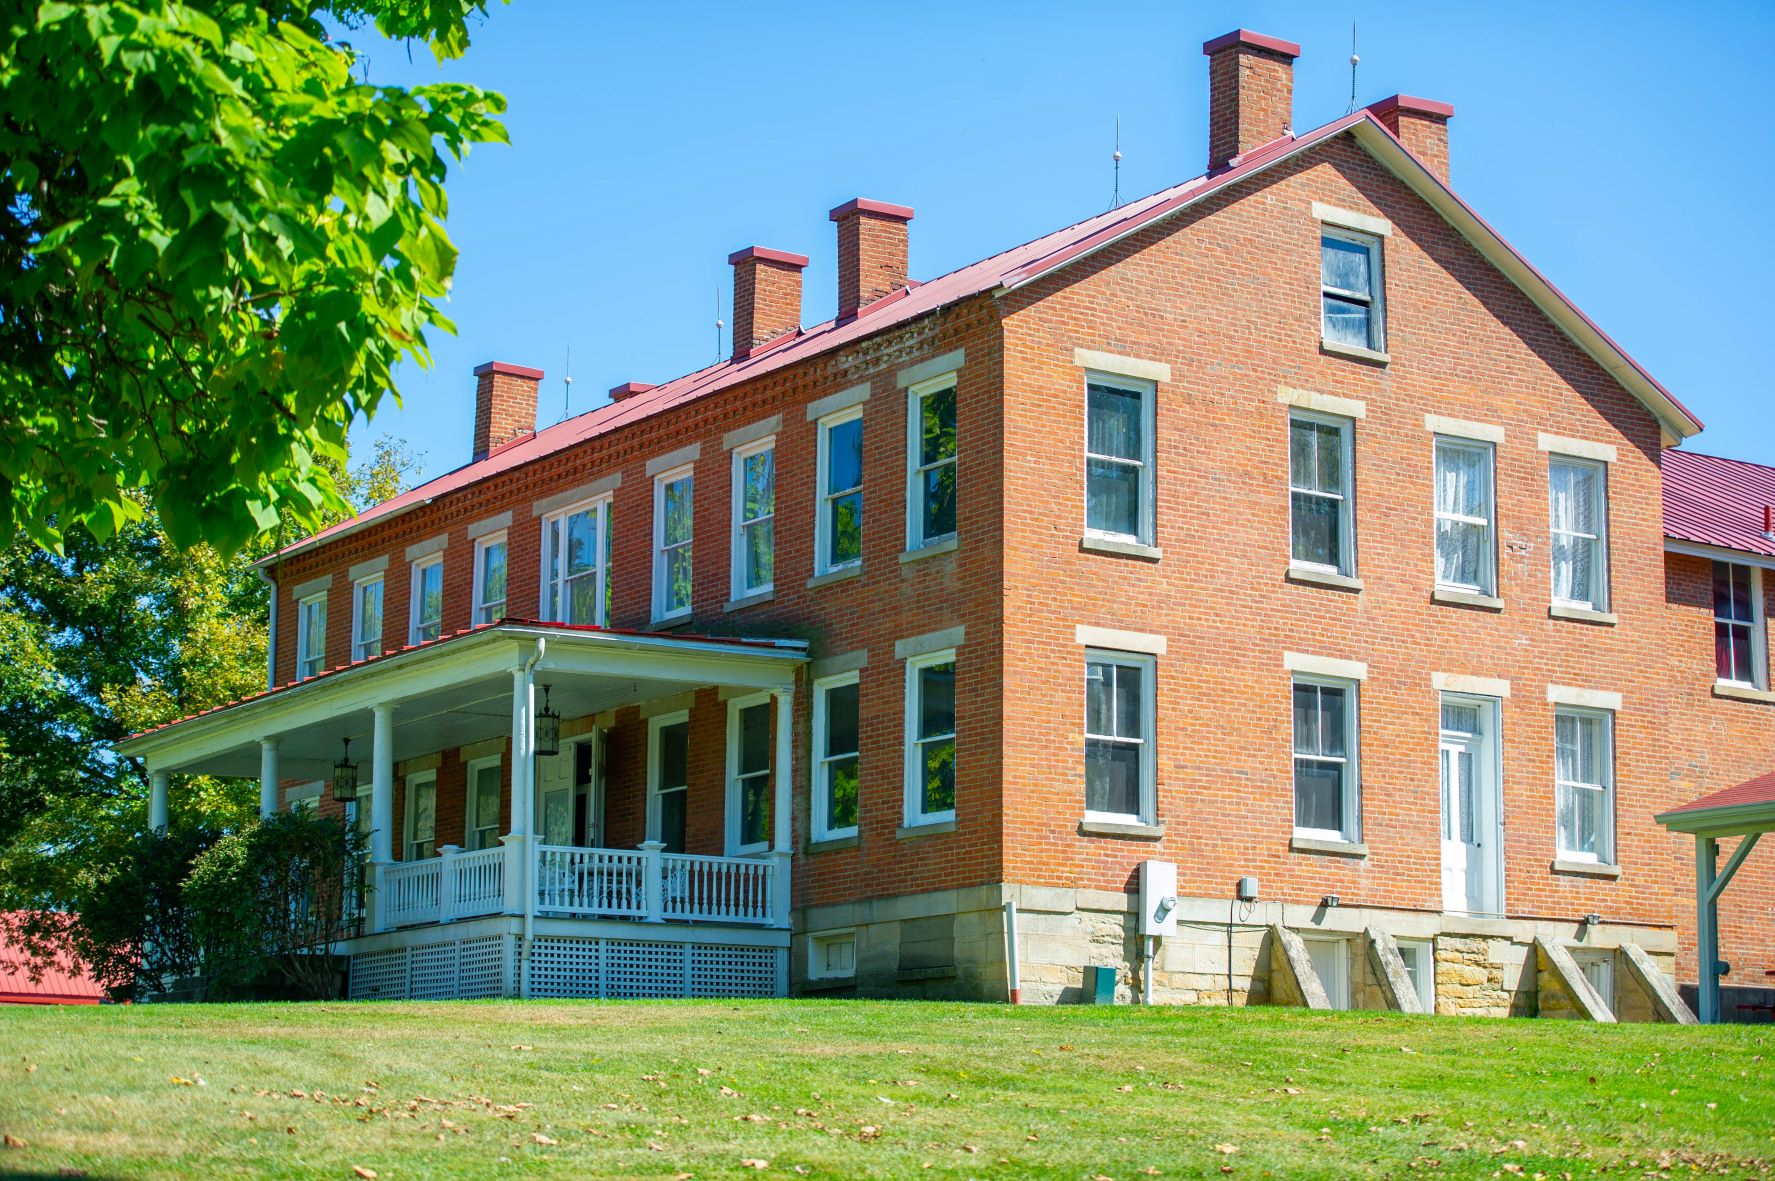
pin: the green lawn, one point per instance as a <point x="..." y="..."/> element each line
<point x="844" y="1089"/>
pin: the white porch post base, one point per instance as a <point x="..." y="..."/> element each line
<point x="780" y="886"/>
<point x="517" y="851"/>
<point x="373" y="899"/>
<point x="158" y="782"/>
<point x="447" y="882"/>
<point x="653" y="884"/>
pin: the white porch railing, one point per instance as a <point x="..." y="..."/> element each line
<point x="645" y="884"/>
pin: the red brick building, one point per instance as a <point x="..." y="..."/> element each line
<point x="1284" y="528"/>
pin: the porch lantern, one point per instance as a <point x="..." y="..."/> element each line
<point x="345" y="777"/>
<point x="548" y="728"/>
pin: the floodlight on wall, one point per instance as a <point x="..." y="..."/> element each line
<point x="548" y="728"/>
<point x="345" y="777"/>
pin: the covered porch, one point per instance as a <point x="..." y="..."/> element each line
<point x="503" y="856"/>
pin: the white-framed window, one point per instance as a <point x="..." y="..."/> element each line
<point x="1466" y="553"/>
<point x="930" y="738"/>
<point x="311" y="636"/>
<point x="930" y="462"/>
<point x="576" y="563"/>
<point x="427" y="611"/>
<point x="668" y="778"/>
<point x="1350" y="289"/>
<point x="1420" y="967"/>
<point x="832" y="955"/>
<point x="366" y="618"/>
<point x="748" y="775"/>
<point x="304" y="797"/>
<point x="1119" y="733"/>
<point x="1321" y="492"/>
<point x="1584" y="783"/>
<point x="1739" y="638"/>
<point x="673" y="527"/>
<point x="838" y="525"/>
<point x="1577" y="495"/>
<point x="837" y="723"/>
<point x="1119" y="457"/>
<point x="1331" y="963"/>
<point x="421" y="826"/>
<point x="490" y="570"/>
<point x="754" y="518"/>
<point x="480" y="825"/>
<point x="1326" y="780"/>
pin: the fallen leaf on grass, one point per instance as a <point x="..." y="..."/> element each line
<point x="366" y="1174"/>
<point x="868" y="1132"/>
<point x="1124" y="1089"/>
<point x="655" y="1146"/>
<point x="752" y="1162"/>
<point x="729" y="1092"/>
<point x="541" y="1139"/>
<point x="12" y="1141"/>
<point x="1226" y="1149"/>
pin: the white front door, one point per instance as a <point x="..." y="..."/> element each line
<point x="554" y="795"/>
<point x="1470" y="836"/>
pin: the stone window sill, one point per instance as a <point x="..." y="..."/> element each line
<point x="751" y="600"/>
<point x="1742" y="692"/>
<point x="832" y="576"/>
<point x="1121" y="828"/>
<point x="1587" y="869"/>
<point x="1583" y="615"/>
<point x="830" y="843"/>
<point x="1092" y="544"/>
<point x="930" y="550"/>
<point x="910" y="831"/>
<point x="1354" y="351"/>
<point x="1309" y="576"/>
<point x="1460" y="598"/>
<point x="1335" y="848"/>
<point x="669" y="622"/>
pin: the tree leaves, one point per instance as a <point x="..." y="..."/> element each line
<point x="215" y="248"/>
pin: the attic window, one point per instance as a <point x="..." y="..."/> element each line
<point x="1350" y="289"/>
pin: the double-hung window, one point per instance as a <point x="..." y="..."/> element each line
<point x="366" y="621"/>
<point x="1119" y="458"/>
<point x="930" y="738"/>
<point x="837" y="721"/>
<point x="754" y="518"/>
<point x="838" y="540"/>
<point x="672" y="529"/>
<point x="422" y="816"/>
<point x="1326" y="791"/>
<point x="668" y="779"/>
<point x="1119" y="759"/>
<point x="748" y="775"/>
<point x="427" y="599"/>
<point x="930" y="462"/>
<point x="1584" y="783"/>
<point x="1465" y="550"/>
<point x="575" y="563"/>
<point x="1321" y="492"/>
<point x="1738" y="635"/>
<point x="311" y="636"/>
<point x="1577" y="495"/>
<point x="1350" y="289"/>
<point x="481" y="813"/>
<point x="490" y="563"/>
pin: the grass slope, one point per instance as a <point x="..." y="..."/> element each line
<point x="843" y="1089"/>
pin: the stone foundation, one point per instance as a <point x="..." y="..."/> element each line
<point x="951" y="944"/>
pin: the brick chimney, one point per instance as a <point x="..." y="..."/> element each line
<point x="766" y="296"/>
<point x="505" y="404"/>
<point x="872" y="252"/>
<point x="628" y="389"/>
<point x="1421" y="124"/>
<point x="1250" y="93"/>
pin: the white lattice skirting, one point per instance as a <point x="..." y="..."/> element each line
<point x="563" y="967"/>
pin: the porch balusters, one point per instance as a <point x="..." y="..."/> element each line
<point x="158" y="782"/>
<point x="268" y="778"/>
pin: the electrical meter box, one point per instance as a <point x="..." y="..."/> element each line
<point x="1158" y="898"/>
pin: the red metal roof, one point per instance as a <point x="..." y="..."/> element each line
<point x="1713" y="501"/>
<point x="62" y="982"/>
<point x="1010" y="268"/>
<point x="1760" y="790"/>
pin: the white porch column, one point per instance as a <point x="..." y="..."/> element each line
<point x="783" y="810"/>
<point x="1707" y="936"/>
<point x="519" y="843"/>
<point x="382" y="786"/>
<point x="158" y="782"/>
<point x="268" y="778"/>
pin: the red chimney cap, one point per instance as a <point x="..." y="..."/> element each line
<point x="1251" y="40"/>
<point x="865" y="205"/>
<point x="629" y="389"/>
<point x="768" y="255"/>
<point x="1416" y="106"/>
<point x="508" y="369"/>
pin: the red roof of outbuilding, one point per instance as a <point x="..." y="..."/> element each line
<point x="62" y="983"/>
<point x="1723" y="502"/>
<point x="1760" y="790"/>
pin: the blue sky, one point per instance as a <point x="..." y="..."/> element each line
<point x="1622" y="148"/>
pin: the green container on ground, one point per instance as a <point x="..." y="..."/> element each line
<point x="1100" y="985"/>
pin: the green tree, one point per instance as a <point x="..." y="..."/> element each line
<point x="216" y="245"/>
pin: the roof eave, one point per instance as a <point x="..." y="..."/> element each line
<point x="1726" y="821"/>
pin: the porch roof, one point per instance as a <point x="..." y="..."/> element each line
<point x="1741" y="809"/>
<point x="457" y="690"/>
